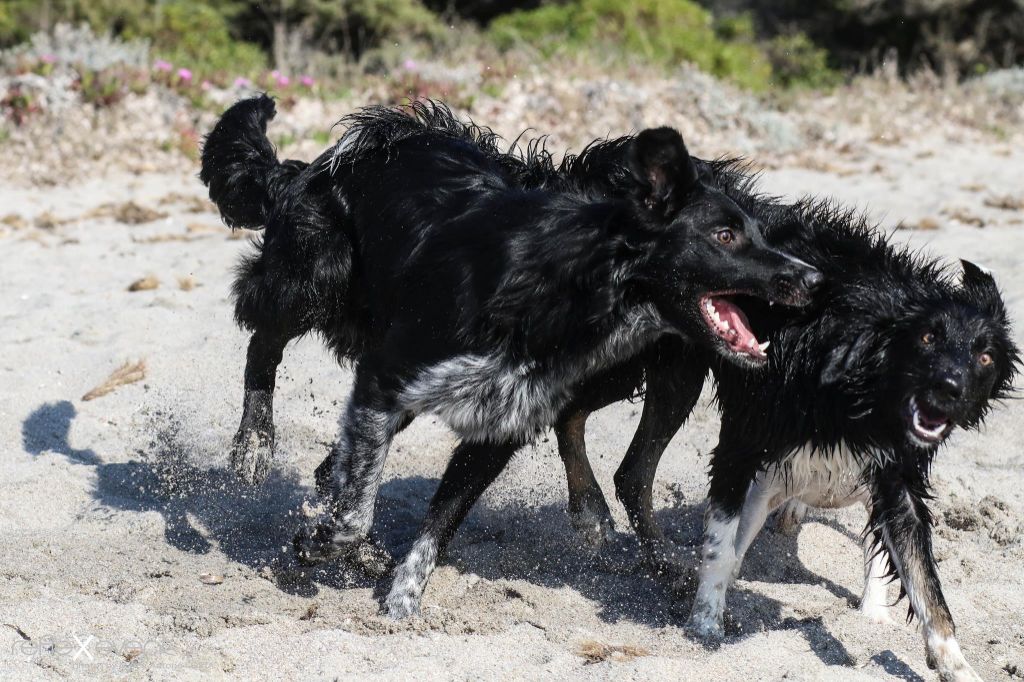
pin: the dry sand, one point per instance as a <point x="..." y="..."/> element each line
<point x="117" y="513"/>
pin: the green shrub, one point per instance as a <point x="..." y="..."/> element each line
<point x="663" y="31"/>
<point x="797" y="62"/>
<point x="193" y="34"/>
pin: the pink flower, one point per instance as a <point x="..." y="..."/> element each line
<point x="242" y="82"/>
<point x="185" y="75"/>
<point x="47" y="58"/>
<point x="307" y="81"/>
<point x="410" y="65"/>
<point x="161" y="65"/>
<point x="206" y="85"/>
<point x="283" y="80"/>
<point x="275" y="74"/>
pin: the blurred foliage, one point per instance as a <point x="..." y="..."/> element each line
<point x="754" y="43"/>
<point x="949" y="36"/>
<point x="192" y="33"/>
<point x="667" y="32"/>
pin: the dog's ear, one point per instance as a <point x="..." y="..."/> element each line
<point x="662" y="166"/>
<point x="845" y="358"/>
<point x="980" y="287"/>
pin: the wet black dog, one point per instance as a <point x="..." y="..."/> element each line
<point x="415" y="250"/>
<point x="859" y="392"/>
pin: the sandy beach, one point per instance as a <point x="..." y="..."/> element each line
<point x="130" y="550"/>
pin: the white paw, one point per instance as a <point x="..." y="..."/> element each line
<point x="401" y="605"/>
<point x="878" y="614"/>
<point x="705" y="626"/>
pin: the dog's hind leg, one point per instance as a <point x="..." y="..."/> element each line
<point x="901" y="522"/>
<point x="673" y="386"/>
<point x="252" y="449"/>
<point x="473" y="467"/>
<point x="588" y="510"/>
<point x="357" y="464"/>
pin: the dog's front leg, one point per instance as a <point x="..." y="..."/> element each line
<point x="252" y="449"/>
<point x="874" y="602"/>
<point x="473" y="467"/>
<point x="900" y="521"/>
<point x="357" y="462"/>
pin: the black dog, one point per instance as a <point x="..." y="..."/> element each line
<point x="416" y="252"/>
<point x="859" y="392"/>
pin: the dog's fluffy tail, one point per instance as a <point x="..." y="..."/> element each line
<point x="240" y="165"/>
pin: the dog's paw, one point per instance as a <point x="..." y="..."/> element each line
<point x="252" y="452"/>
<point x="709" y="632"/>
<point x="401" y="604"/>
<point x="946" y="659"/>
<point x="878" y="614"/>
<point x="592" y="521"/>
<point x="317" y="543"/>
<point x="372" y="558"/>
<point x="665" y="558"/>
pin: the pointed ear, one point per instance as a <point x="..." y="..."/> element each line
<point x="663" y="168"/>
<point x="980" y="286"/>
<point x="844" y="359"/>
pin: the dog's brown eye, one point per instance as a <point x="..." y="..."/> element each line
<point x="985" y="359"/>
<point x="725" y="236"/>
<point x="928" y="338"/>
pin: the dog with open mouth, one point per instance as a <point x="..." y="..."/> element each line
<point x="417" y="251"/>
<point x="859" y="392"/>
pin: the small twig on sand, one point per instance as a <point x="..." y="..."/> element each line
<point x="20" y="632"/>
<point x="147" y="283"/>
<point x="128" y="373"/>
<point x="596" y="652"/>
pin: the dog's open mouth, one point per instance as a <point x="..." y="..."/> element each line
<point x="927" y="424"/>
<point x="729" y="323"/>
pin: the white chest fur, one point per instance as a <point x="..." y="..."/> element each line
<point x="820" y="479"/>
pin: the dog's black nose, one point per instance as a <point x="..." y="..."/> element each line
<point x="812" y="280"/>
<point x="950" y="386"/>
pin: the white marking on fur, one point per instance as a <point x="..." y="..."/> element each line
<point x="944" y="653"/>
<point x="874" y="601"/>
<point x="718" y="564"/>
<point x="822" y="479"/>
<point x="362" y="449"/>
<point x="492" y="397"/>
<point x="411" y="578"/>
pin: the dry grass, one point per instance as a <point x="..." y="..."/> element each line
<point x="187" y="283"/>
<point x="596" y="652"/>
<point x="964" y="215"/>
<point x="128" y="213"/>
<point x="14" y="221"/>
<point x="128" y="373"/>
<point x="1006" y="203"/>
<point x="190" y="202"/>
<point x="147" y="283"/>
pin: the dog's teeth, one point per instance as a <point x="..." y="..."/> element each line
<point x="764" y="346"/>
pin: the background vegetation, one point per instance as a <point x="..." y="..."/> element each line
<point x="755" y="43"/>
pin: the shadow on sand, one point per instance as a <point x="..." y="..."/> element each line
<point x="206" y="506"/>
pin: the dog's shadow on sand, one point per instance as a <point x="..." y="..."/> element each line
<point x="205" y="506"/>
<point x="202" y="506"/>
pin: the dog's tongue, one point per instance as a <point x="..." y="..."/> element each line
<point x="736" y="327"/>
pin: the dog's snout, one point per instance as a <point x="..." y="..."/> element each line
<point x="812" y="280"/>
<point x="950" y="385"/>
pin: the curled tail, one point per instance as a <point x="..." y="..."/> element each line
<point x="240" y="165"/>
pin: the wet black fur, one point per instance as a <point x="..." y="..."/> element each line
<point x="415" y="244"/>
